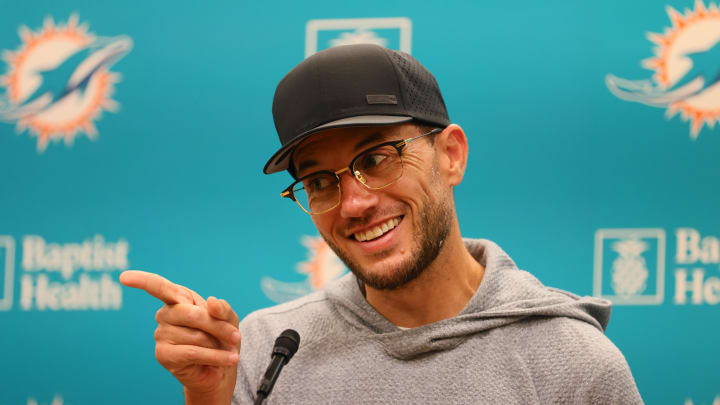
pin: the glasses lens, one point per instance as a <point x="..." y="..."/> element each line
<point x="379" y="166"/>
<point x="318" y="192"/>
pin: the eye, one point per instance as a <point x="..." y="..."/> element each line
<point x="371" y="160"/>
<point x="317" y="184"/>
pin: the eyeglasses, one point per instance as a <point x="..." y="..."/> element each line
<point x="375" y="168"/>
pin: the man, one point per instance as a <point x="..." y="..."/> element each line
<point x="425" y="316"/>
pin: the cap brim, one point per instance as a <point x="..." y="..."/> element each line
<point x="280" y="160"/>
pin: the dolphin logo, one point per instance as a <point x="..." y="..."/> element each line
<point x="705" y="65"/>
<point x="687" y="69"/>
<point x="59" y="80"/>
<point x="704" y="73"/>
<point x="321" y="267"/>
<point x="70" y="76"/>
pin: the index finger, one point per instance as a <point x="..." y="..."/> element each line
<point x="157" y="286"/>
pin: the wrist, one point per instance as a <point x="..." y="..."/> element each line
<point x="207" y="398"/>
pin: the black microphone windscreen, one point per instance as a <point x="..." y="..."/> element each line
<point x="288" y="340"/>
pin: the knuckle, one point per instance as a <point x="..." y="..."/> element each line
<point x="232" y="316"/>
<point x="188" y="311"/>
<point x="223" y="307"/>
<point x="229" y="329"/>
<point x="160" y="352"/>
<point x="227" y="310"/>
<point x="164" y="314"/>
<point x="166" y="290"/>
<point x="199" y="337"/>
<point x="189" y="295"/>
<point x="193" y="353"/>
<point x="219" y="357"/>
<point x="194" y="315"/>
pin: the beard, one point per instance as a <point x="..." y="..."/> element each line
<point x="435" y="221"/>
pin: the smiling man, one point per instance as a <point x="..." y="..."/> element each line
<point x="425" y="316"/>
<point x="388" y="214"/>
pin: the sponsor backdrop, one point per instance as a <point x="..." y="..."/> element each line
<point x="132" y="135"/>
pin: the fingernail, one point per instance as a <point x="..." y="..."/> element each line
<point x="235" y="337"/>
<point x="233" y="357"/>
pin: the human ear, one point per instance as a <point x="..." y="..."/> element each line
<point x="451" y="144"/>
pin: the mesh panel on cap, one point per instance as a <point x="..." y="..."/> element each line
<point x="421" y="92"/>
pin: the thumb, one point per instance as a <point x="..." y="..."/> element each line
<point x="221" y="310"/>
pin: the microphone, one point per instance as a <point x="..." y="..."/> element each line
<point x="285" y="347"/>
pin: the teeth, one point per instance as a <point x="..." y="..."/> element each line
<point x="377" y="231"/>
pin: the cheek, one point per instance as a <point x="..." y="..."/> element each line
<point x="412" y="192"/>
<point x="418" y="187"/>
<point x="417" y="175"/>
<point x="421" y="168"/>
<point x="323" y="223"/>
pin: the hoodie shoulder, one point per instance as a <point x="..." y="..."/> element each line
<point x="310" y="316"/>
<point x="578" y="353"/>
<point x="297" y="314"/>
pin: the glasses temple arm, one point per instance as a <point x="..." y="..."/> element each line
<point x="407" y="141"/>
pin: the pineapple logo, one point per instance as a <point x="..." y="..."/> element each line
<point x="359" y="37"/>
<point x="393" y="33"/>
<point x="630" y="272"/>
<point x="630" y="266"/>
<point x="7" y="270"/>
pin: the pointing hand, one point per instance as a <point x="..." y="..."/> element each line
<point x="196" y="340"/>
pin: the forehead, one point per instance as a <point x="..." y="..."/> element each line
<point x="338" y="141"/>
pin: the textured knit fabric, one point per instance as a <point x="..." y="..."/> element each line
<point x="516" y="342"/>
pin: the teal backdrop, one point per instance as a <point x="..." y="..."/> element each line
<point x="133" y="135"/>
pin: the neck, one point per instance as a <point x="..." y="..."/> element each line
<point x="440" y="292"/>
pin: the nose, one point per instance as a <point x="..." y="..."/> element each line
<point x="356" y="199"/>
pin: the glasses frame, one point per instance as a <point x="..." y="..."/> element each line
<point x="399" y="145"/>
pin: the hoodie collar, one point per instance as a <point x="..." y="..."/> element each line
<point x="506" y="295"/>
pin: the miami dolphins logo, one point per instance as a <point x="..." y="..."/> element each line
<point x="686" y="62"/>
<point x="58" y="82"/>
<point x="321" y="267"/>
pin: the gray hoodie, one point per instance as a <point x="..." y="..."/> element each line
<point x="516" y="342"/>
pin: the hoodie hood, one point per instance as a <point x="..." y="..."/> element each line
<point x="506" y="295"/>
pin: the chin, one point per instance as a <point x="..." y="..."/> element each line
<point x="402" y="254"/>
<point x="388" y="274"/>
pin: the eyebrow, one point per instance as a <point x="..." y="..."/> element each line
<point x="305" y="164"/>
<point x="368" y="140"/>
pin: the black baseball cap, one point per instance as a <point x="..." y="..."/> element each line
<point x="352" y="85"/>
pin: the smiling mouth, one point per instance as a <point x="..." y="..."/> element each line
<point x="378" y="230"/>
